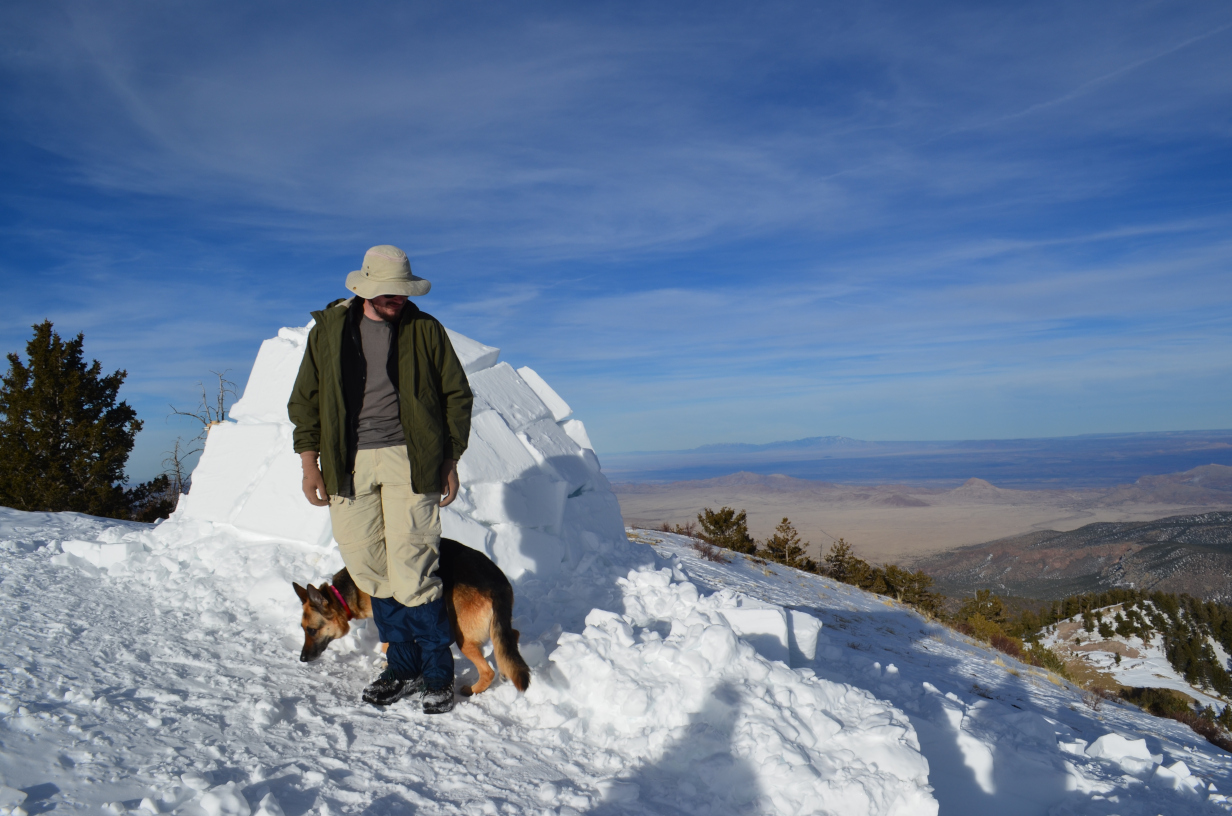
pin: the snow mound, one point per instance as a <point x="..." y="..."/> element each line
<point x="533" y="496"/>
<point x="644" y="694"/>
<point x="1177" y="777"/>
<point x="629" y="684"/>
<point x="661" y="683"/>
<point x="152" y="686"/>
<point x="1131" y="754"/>
<point x="648" y="693"/>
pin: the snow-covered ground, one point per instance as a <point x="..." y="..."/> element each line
<point x="1000" y="737"/>
<point x="155" y="668"/>
<point x="1142" y="664"/>
<point x="168" y="680"/>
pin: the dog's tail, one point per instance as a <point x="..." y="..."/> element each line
<point x="505" y="641"/>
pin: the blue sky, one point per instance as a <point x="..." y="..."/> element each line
<point x="699" y="222"/>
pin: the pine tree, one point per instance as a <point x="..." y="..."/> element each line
<point x="785" y="547"/>
<point x="987" y="604"/>
<point x="1225" y="718"/>
<point x="914" y="588"/>
<point x="64" y="438"/>
<point x="841" y="564"/>
<point x="152" y="500"/>
<point x="726" y="528"/>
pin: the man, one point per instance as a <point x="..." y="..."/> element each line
<point x="382" y="413"/>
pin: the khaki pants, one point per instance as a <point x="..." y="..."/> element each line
<point x="389" y="536"/>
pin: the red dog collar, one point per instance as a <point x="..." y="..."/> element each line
<point x="341" y="600"/>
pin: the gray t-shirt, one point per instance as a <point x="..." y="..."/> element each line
<point x="379" y="425"/>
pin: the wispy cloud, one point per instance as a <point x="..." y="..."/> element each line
<point x="717" y="221"/>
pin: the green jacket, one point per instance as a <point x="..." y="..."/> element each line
<point x="434" y="397"/>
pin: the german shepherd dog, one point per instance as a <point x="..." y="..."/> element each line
<point x="478" y="598"/>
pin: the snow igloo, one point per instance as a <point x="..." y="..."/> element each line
<point x="533" y="497"/>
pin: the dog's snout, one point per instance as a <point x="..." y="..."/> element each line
<point x="313" y="650"/>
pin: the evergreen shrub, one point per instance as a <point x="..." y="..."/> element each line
<point x="65" y="436"/>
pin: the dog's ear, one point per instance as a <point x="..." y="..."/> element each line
<point x="316" y="598"/>
<point x="300" y="591"/>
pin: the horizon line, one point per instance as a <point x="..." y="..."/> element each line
<point x="1105" y="434"/>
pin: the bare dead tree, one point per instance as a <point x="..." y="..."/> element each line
<point x="211" y="411"/>
<point x="175" y="464"/>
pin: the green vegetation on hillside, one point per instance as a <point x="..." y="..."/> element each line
<point x="1181" y="707"/>
<point x="984" y="617"/>
<point x="728" y="529"/>
<point x="1184" y="624"/>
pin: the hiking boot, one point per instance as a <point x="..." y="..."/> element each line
<point x="389" y="688"/>
<point x="438" y="700"/>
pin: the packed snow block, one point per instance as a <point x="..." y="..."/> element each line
<point x="764" y="629"/>
<point x="77" y="563"/>
<point x="520" y="550"/>
<point x="1114" y="746"/>
<point x="1177" y="777"/>
<point x="803" y="630"/>
<point x="593" y="520"/>
<point x="529" y="501"/>
<point x="473" y="355"/>
<point x="500" y="389"/>
<point x="224" y="800"/>
<point x="272" y="379"/>
<point x="234" y="457"/>
<point x="466" y="530"/>
<point x="505" y="484"/>
<point x="275" y="505"/>
<point x="11" y="797"/>
<point x="577" y="432"/>
<point x="559" y="408"/>
<point x="494" y="453"/>
<point x="1131" y="755"/>
<point x="551" y="446"/>
<point x="102" y="556"/>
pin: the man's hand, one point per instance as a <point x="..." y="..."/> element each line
<point x="449" y="482"/>
<point x="314" y="482"/>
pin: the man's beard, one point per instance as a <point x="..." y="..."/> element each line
<point x="387" y="312"/>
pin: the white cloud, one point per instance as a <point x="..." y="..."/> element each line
<point x="713" y="207"/>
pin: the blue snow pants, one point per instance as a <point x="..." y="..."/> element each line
<point x="418" y="638"/>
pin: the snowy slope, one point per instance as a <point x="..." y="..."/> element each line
<point x="154" y="668"/>
<point x="172" y="684"/>
<point x="171" y="671"/>
<point x="1000" y="737"/>
<point x="179" y="687"/>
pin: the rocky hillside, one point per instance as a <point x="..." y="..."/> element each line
<point x="1183" y="554"/>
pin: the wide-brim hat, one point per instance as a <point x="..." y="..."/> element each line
<point x="386" y="271"/>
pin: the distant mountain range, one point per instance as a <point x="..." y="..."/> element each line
<point x="1205" y="485"/>
<point x="809" y="443"/>
<point x="1094" y="460"/>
